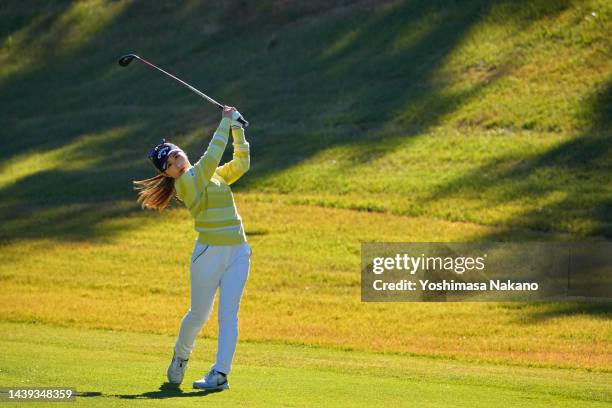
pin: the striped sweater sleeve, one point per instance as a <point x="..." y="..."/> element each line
<point x="206" y="166"/>
<point x="233" y="170"/>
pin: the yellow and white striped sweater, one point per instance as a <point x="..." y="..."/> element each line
<point x="204" y="188"/>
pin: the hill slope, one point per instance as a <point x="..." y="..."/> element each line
<point x="494" y="112"/>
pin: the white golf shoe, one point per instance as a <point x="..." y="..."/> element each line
<point x="214" y="380"/>
<point x="176" y="371"/>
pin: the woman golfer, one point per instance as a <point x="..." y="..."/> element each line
<point x="221" y="256"/>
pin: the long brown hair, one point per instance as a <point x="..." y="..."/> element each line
<point x="155" y="192"/>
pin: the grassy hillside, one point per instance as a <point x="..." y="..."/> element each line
<point x="303" y="288"/>
<point x="371" y="121"/>
<point x="493" y="112"/>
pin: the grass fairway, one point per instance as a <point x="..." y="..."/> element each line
<point x="401" y="120"/>
<point x="117" y="369"/>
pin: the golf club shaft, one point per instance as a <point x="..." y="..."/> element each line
<point x="202" y="94"/>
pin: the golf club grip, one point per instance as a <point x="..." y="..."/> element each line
<point x="241" y="119"/>
<point x="244" y="122"/>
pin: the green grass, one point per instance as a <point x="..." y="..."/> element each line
<point x="405" y="121"/>
<point x="304" y="287"/>
<point x="110" y="368"/>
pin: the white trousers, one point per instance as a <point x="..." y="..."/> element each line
<point x="215" y="266"/>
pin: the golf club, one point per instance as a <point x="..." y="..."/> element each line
<point x="125" y="60"/>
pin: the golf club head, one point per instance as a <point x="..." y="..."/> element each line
<point x="125" y="60"/>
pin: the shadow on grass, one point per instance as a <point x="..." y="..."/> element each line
<point x="363" y="90"/>
<point x="571" y="161"/>
<point x="309" y="76"/>
<point x="166" y="390"/>
<point x="568" y="186"/>
<point x="540" y="312"/>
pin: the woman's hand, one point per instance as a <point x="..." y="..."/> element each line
<point x="234" y="115"/>
<point x="228" y="111"/>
